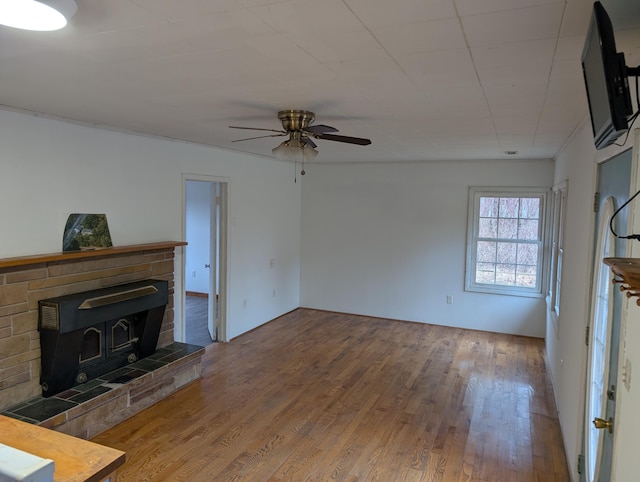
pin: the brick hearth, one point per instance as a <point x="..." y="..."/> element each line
<point x="86" y="410"/>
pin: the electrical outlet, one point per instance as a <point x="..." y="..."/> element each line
<point x="272" y="263"/>
<point x="244" y="303"/>
<point x="449" y="299"/>
<point x="193" y="274"/>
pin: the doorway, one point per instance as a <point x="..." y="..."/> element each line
<point x="205" y="260"/>
<point x="603" y="336"/>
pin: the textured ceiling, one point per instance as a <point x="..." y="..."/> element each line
<point x="423" y="79"/>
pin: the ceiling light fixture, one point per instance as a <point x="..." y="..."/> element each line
<point x="294" y="150"/>
<point x="42" y="15"/>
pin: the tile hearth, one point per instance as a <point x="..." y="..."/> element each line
<point x="168" y="369"/>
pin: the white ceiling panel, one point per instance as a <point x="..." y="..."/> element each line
<point x="187" y="9"/>
<point x="341" y="46"/>
<point x="535" y="53"/>
<point x="382" y="13"/>
<point x="423" y="79"/>
<point x="515" y="25"/>
<point x="576" y="18"/>
<point x="298" y="17"/>
<point x="474" y="7"/>
<point x="628" y="41"/>
<point x="514" y="82"/>
<point x="438" y="70"/>
<point x="422" y="37"/>
<point x="98" y="16"/>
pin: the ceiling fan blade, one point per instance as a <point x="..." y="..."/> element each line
<point x="309" y="142"/>
<point x="349" y="140"/>
<point x="257" y="129"/>
<point x="320" y="129"/>
<point x="261" y="137"/>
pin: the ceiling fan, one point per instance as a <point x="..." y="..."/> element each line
<point x="300" y="146"/>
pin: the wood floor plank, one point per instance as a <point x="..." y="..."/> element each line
<point x="318" y="396"/>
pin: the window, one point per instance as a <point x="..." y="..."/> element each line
<point x="505" y="242"/>
<point x="557" y="245"/>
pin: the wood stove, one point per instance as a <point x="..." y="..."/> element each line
<point x="85" y="335"/>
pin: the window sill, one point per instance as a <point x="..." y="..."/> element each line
<point x="505" y="291"/>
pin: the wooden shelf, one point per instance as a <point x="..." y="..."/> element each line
<point x="627" y="274"/>
<point x="63" y="256"/>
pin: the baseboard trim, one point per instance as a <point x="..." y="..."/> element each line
<point x="196" y="293"/>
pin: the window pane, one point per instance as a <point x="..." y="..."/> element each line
<point x="528" y="229"/>
<point x="506" y="268"/>
<point x="488" y="228"/>
<point x="508" y="228"/>
<point x="526" y="269"/>
<point x="506" y="253"/>
<point x="486" y="252"/>
<point x="488" y="207"/>
<point x="526" y="281"/>
<point x="527" y="254"/>
<point x="530" y="208"/>
<point x="505" y="274"/>
<point x="509" y="207"/>
<point x="485" y="273"/>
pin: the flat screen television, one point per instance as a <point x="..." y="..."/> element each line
<point x="605" y="77"/>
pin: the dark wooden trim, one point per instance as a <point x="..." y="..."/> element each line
<point x="63" y="256"/>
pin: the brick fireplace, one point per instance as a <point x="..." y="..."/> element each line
<point x="27" y="280"/>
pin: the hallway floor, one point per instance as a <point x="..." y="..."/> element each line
<point x="196" y="314"/>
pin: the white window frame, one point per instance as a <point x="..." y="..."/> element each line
<point x="557" y="249"/>
<point x="475" y="193"/>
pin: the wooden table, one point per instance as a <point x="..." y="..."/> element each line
<point x="76" y="460"/>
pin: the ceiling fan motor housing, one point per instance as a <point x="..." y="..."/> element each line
<point x="295" y="120"/>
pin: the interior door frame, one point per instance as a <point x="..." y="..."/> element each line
<point x="213" y="320"/>
<point x="222" y="249"/>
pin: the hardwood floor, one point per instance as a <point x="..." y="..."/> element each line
<point x="196" y="311"/>
<point x="317" y="396"/>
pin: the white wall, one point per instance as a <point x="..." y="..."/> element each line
<point x="50" y="169"/>
<point x="389" y="241"/>
<point x="566" y="350"/>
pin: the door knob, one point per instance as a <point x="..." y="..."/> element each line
<point x="601" y="424"/>
<point x="207" y="266"/>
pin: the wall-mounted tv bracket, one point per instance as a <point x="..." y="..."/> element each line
<point x="633" y="71"/>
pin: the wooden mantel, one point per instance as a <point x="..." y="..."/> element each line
<point x="63" y="256"/>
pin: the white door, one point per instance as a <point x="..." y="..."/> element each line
<point x="604" y="328"/>
<point x="207" y="248"/>
<point x="216" y="235"/>
<point x="212" y="319"/>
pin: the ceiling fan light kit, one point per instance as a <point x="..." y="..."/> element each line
<point x="300" y="146"/>
<point x="42" y="15"/>
<point x="293" y="150"/>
